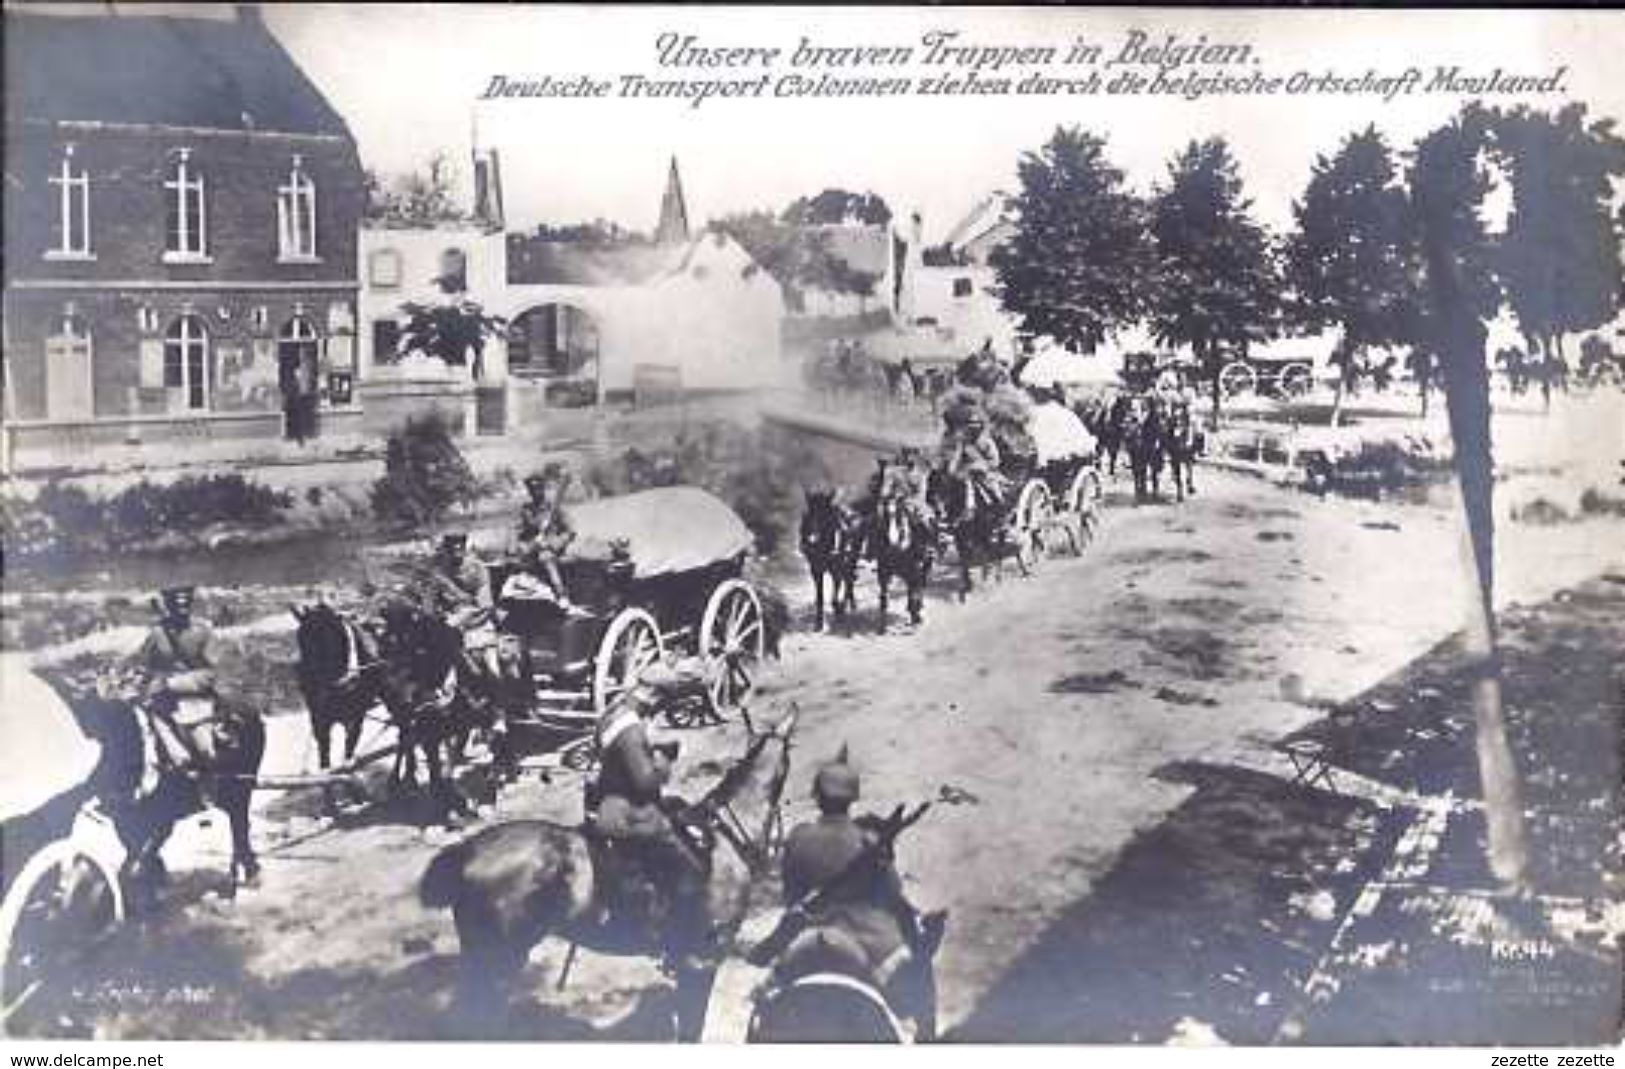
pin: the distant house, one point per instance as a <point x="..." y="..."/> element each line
<point x="590" y="322"/>
<point x="947" y="303"/>
<point x="180" y="213"/>
<point x="591" y="318"/>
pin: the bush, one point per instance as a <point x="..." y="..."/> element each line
<point x="65" y="520"/>
<point x="425" y="474"/>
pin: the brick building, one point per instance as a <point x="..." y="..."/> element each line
<point x="181" y="209"/>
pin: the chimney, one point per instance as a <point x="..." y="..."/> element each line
<point x="488" y="191"/>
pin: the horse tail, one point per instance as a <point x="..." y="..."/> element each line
<point x="442" y="881"/>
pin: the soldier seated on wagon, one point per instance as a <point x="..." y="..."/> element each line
<point x="545" y="534"/>
<point x="970" y="455"/>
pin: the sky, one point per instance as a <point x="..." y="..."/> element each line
<point x="406" y="79"/>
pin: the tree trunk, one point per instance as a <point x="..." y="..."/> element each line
<point x="1204" y="357"/>
<point x="1465" y="379"/>
<point x="1337" y="398"/>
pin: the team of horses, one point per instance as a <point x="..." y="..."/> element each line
<point x="1151" y="432"/>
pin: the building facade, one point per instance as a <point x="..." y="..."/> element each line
<point x="181" y="209"/>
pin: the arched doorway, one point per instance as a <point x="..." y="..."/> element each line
<point x="296" y="351"/>
<point x="558" y="343"/>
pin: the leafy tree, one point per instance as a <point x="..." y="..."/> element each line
<point x="1448" y="183"/>
<point x="1075" y="268"/>
<point x="597" y="234"/>
<point x="797" y="257"/>
<point x="421" y="198"/>
<point x="1217" y="284"/>
<point x="1559" y="259"/>
<point x="455" y="331"/>
<point x="838" y="207"/>
<point x="1352" y="262"/>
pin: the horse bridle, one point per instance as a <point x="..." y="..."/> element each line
<point x="721" y="817"/>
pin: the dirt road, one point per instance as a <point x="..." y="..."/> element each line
<point x="1043" y="715"/>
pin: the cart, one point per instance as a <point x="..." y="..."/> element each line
<point x="60" y="897"/>
<point x="1061" y="493"/>
<point x="1286" y="378"/>
<point x="659" y="577"/>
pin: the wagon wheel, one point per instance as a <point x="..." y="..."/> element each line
<point x="1083" y="502"/>
<point x="1237" y="378"/>
<point x="1296" y="380"/>
<point x="1033" y="514"/>
<point x="630" y="644"/>
<point x="62" y="906"/>
<point x="733" y="641"/>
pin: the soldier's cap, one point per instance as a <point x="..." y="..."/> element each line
<point x="177" y="596"/>
<point x="836" y="781"/>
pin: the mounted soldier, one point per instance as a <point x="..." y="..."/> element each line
<point x="177" y="662"/>
<point x="660" y="868"/>
<point x="846" y="911"/>
<point x="195" y="742"/>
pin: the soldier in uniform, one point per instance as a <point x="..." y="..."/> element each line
<point x="864" y="896"/>
<point x="545" y="532"/>
<point x="177" y="659"/>
<point x="971" y="455"/>
<point x="461" y="591"/>
<point x="627" y="805"/>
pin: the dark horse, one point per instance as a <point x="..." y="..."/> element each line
<point x="982" y="532"/>
<point x="902" y="544"/>
<point x="832" y="542"/>
<point x="410" y="671"/>
<point x="189" y="766"/>
<point x="1182" y="442"/>
<point x="512" y="885"/>
<point x="1109" y="427"/>
<point x="1144" y="440"/>
<point x="340" y="676"/>
<point x="426" y="696"/>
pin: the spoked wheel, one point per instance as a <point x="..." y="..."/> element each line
<point x="733" y="640"/>
<point x="1083" y="503"/>
<point x="1297" y="380"/>
<point x="1237" y="378"/>
<point x="1034" y="509"/>
<point x="630" y="644"/>
<point x="62" y="906"/>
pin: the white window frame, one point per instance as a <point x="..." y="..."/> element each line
<point x="184" y="183"/>
<point x="73" y="206"/>
<point x="187" y="335"/>
<point x="296" y="217"/>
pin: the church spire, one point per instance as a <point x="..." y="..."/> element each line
<point x="673" y="228"/>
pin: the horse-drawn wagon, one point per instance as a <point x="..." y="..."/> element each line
<point x="660" y="576"/>
<point x="1284" y="377"/>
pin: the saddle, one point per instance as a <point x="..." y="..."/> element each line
<point x="640" y="863"/>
